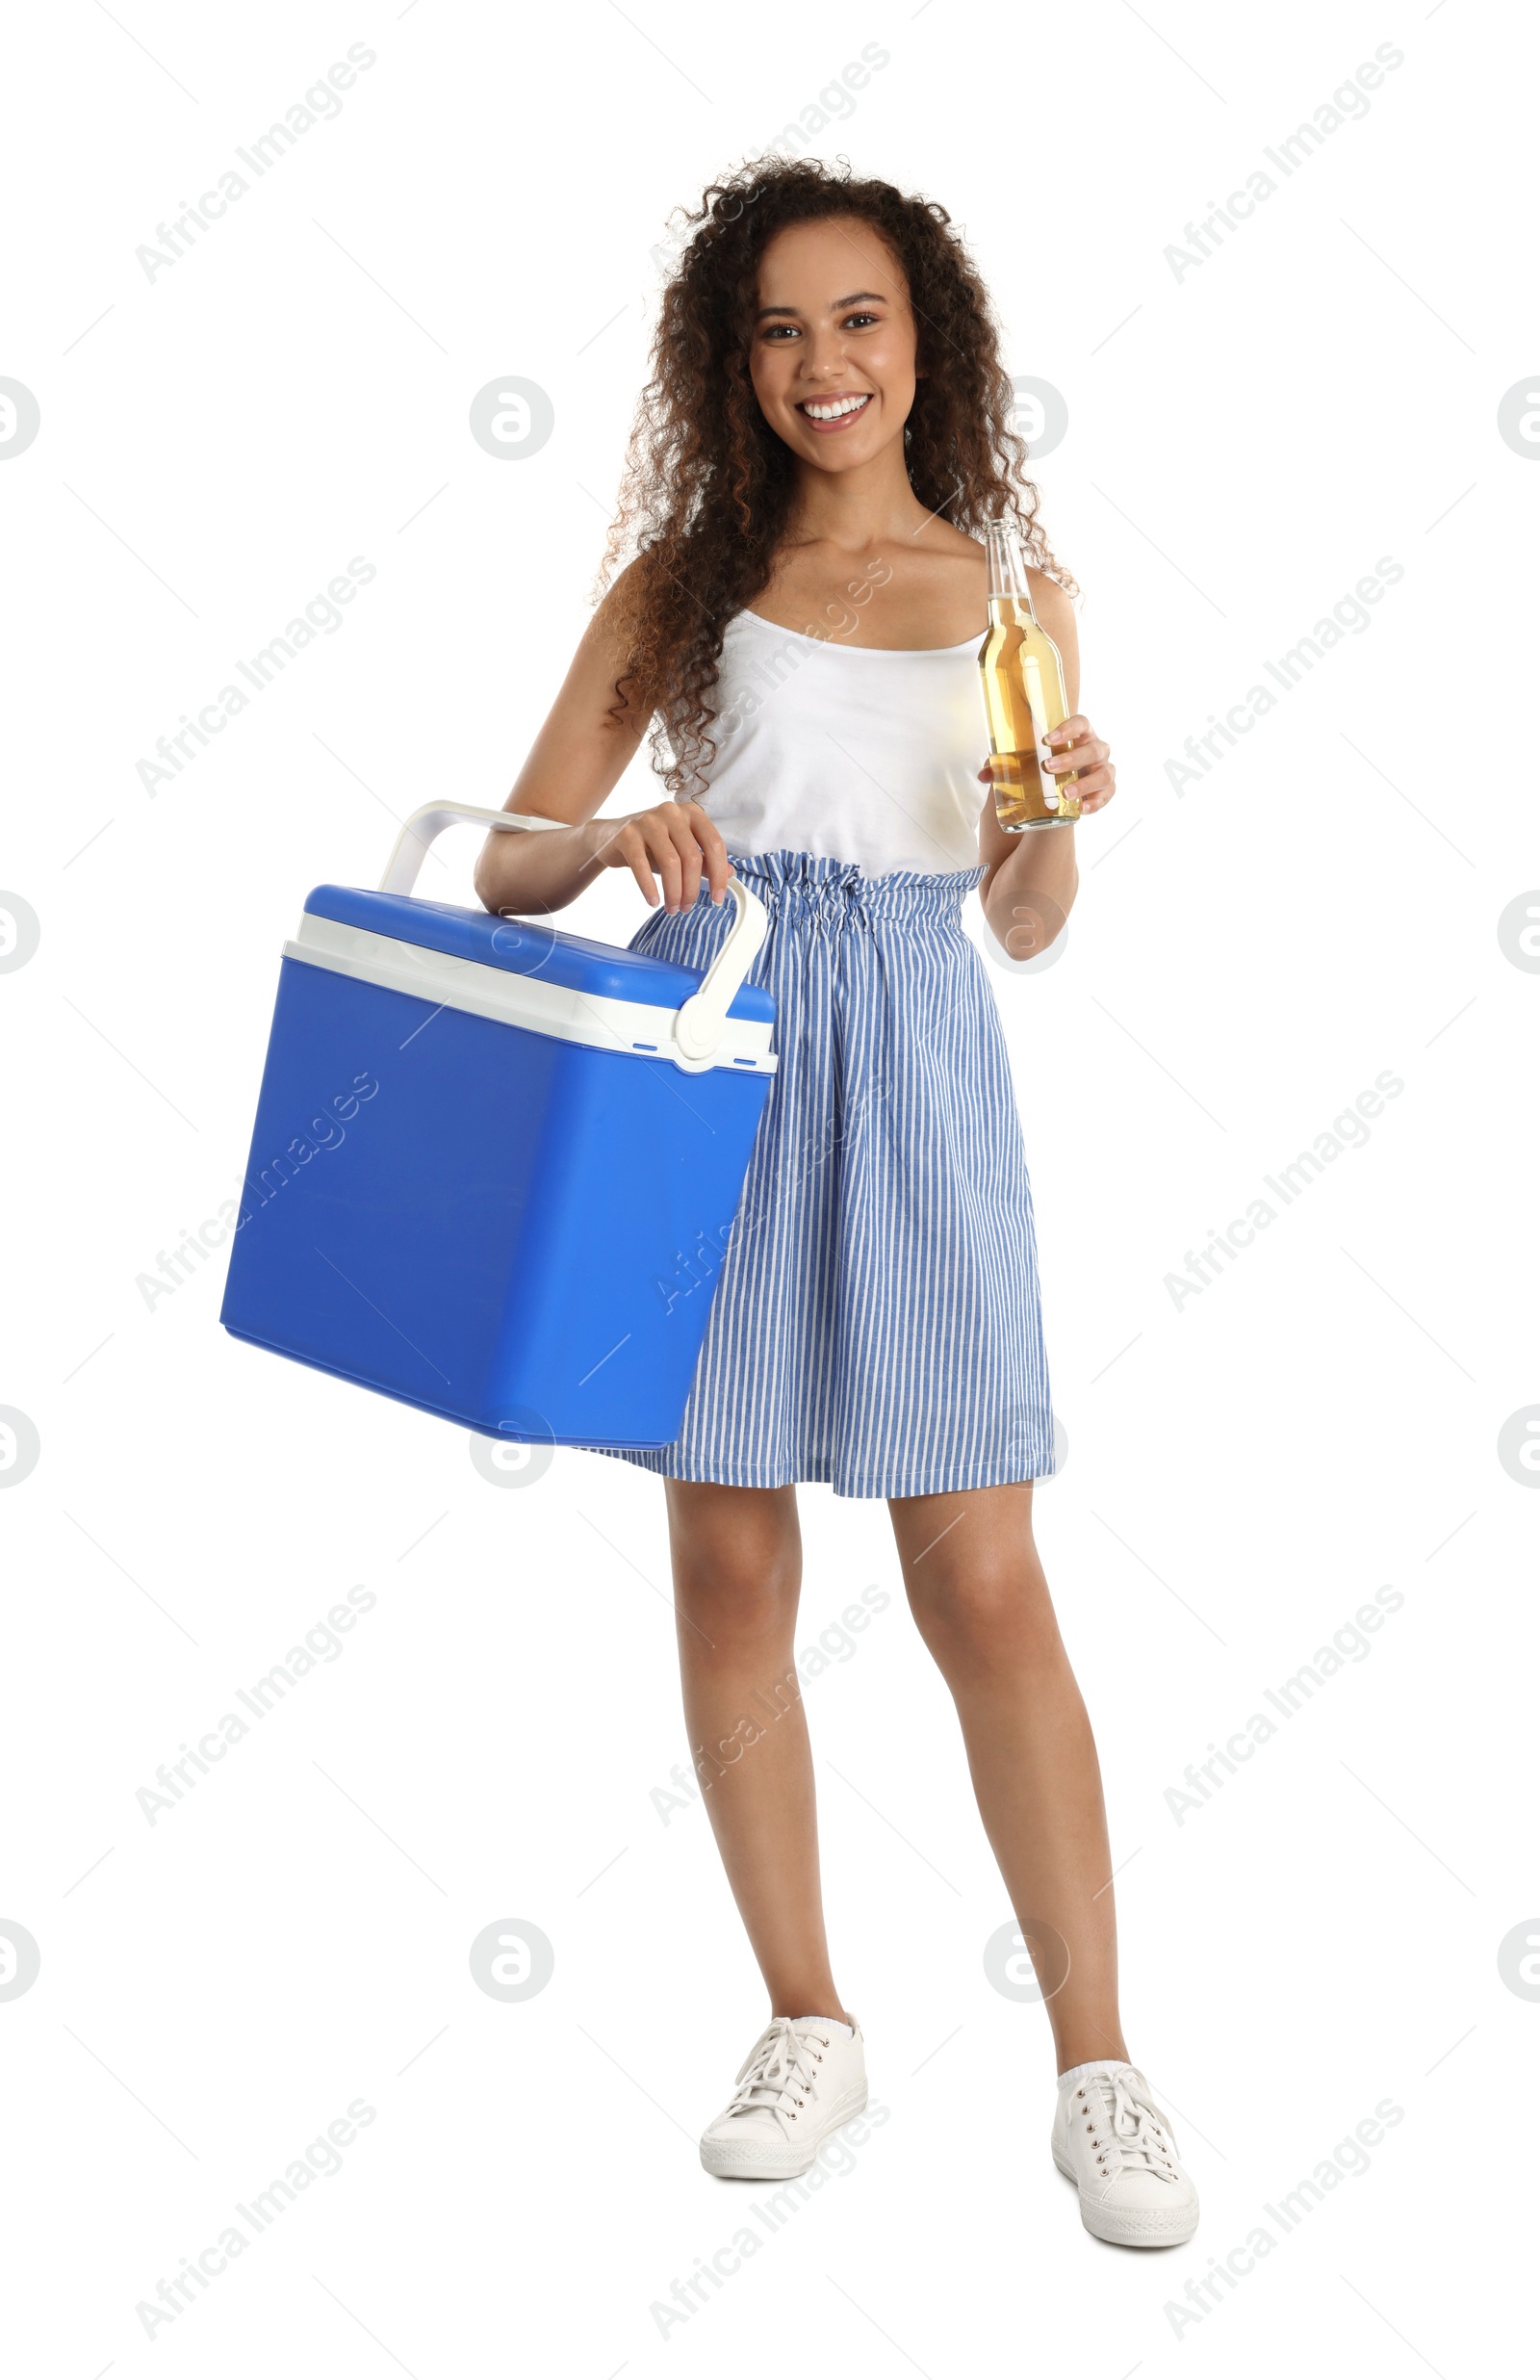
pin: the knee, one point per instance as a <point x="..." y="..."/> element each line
<point x="739" y="1594"/>
<point x="987" y="1617"/>
<point x="736" y="1559"/>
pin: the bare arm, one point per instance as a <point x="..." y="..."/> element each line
<point x="574" y="763"/>
<point x="1033" y="878"/>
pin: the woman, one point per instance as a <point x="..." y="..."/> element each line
<point x="826" y="430"/>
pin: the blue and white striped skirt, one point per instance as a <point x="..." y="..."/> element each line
<point x="877" y="1322"/>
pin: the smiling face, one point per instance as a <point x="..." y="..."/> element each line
<point x="833" y="353"/>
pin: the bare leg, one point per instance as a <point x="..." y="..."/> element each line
<point x="981" y="1602"/>
<point x="737" y="1576"/>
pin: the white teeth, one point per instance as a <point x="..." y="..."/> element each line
<point x="833" y="408"/>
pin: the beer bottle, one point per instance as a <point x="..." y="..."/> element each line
<point x="1023" y="695"/>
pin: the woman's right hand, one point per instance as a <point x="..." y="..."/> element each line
<point x="674" y="843"/>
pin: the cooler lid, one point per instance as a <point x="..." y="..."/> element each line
<point x="520" y="947"/>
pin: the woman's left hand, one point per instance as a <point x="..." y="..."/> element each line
<point x="1076" y="745"/>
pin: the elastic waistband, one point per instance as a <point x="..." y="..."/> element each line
<point x="795" y="884"/>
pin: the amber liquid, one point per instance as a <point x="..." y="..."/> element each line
<point x="1024" y="698"/>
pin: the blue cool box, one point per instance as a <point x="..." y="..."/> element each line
<point x="495" y="1167"/>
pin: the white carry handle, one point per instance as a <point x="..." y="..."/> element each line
<point x="426" y="824"/>
<point x="698" y="1025"/>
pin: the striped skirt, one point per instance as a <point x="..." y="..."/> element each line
<point x="876" y="1321"/>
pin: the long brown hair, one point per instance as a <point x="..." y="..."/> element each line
<point x="707" y="494"/>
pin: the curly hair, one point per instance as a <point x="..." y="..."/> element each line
<point x="706" y="493"/>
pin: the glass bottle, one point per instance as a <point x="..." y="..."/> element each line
<point x="1023" y="695"/>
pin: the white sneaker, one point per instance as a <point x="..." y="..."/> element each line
<point x="1115" y="2145"/>
<point x="802" y="2080"/>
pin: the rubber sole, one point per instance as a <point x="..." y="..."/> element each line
<point x="761" y="2160"/>
<point x="1131" y="2228"/>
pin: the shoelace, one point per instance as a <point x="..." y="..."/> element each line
<point x="1125" y="2126"/>
<point x="779" y="2066"/>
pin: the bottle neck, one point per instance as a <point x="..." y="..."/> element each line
<point x="1008" y="581"/>
<point x="1017" y="607"/>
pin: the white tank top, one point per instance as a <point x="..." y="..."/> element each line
<point x="846" y="752"/>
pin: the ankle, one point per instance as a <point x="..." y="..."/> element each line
<point x="1095" y="2049"/>
<point x="816" y="2003"/>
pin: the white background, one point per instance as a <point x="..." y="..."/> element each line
<point x="1244" y="1471"/>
